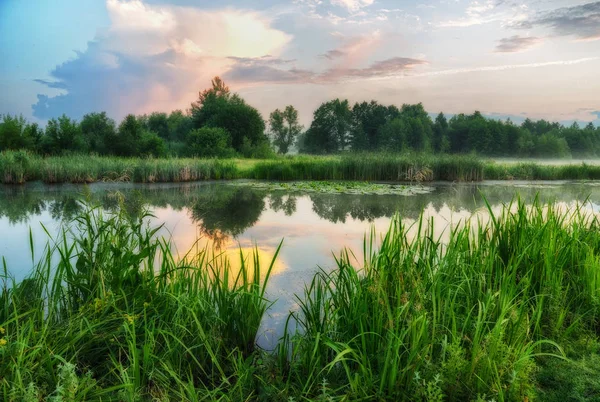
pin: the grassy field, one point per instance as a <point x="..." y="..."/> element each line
<point x="507" y="310"/>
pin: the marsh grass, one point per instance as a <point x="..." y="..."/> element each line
<point x="495" y="312"/>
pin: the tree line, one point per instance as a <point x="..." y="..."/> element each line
<point x="221" y="124"/>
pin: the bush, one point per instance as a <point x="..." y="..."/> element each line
<point x="209" y="142"/>
<point x="152" y="145"/>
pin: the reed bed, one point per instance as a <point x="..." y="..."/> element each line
<point x="372" y="167"/>
<point x="539" y="171"/>
<point x="497" y="312"/>
<point x="18" y="167"/>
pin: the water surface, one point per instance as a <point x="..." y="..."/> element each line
<point x="230" y="217"/>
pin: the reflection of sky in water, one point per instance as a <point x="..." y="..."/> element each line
<point x="313" y="226"/>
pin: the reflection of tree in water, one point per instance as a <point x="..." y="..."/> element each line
<point x="66" y="208"/>
<point x="18" y="205"/>
<point x="338" y="207"/>
<point x="280" y="201"/>
<point x="229" y="211"/>
<point x="224" y="210"/>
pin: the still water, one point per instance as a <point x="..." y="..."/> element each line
<point x="233" y="217"/>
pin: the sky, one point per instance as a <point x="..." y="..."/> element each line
<point x="506" y="58"/>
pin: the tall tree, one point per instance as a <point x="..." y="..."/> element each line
<point x="285" y="128"/>
<point x="368" y="118"/>
<point x="63" y="135"/>
<point x="216" y="107"/>
<point x="439" y="132"/>
<point x="159" y="123"/>
<point x="330" y="128"/>
<point x="98" y="131"/>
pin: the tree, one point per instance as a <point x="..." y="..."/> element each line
<point x="12" y="132"/>
<point x="394" y="135"/>
<point x="180" y="125"/>
<point x="216" y="107"/>
<point x="98" y="131"/>
<point x="439" y="132"/>
<point x="159" y="123"/>
<point x="128" y="139"/>
<point x="209" y="142"/>
<point x="63" y="135"/>
<point x="284" y="128"/>
<point x="368" y="118"/>
<point x="330" y="128"/>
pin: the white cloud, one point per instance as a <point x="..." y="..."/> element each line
<point x="352" y="5"/>
<point x="157" y="58"/>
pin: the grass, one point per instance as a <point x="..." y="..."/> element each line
<point x="17" y="167"/>
<point x="498" y="312"/>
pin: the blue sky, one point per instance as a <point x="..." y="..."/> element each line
<point x="506" y="58"/>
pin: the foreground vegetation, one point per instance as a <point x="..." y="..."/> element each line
<point x="17" y="167"/>
<point x="506" y="310"/>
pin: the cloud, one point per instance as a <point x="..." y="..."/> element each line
<point x="354" y="49"/>
<point x="505" y="67"/>
<point x="156" y="58"/>
<point x="480" y="12"/>
<point x="352" y="5"/>
<point x="516" y="43"/>
<point x="582" y="21"/>
<point x="256" y="72"/>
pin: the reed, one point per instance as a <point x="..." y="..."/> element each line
<point x="507" y="302"/>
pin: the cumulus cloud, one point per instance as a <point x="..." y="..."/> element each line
<point x="582" y="21"/>
<point x="156" y="58"/>
<point x="516" y="43"/>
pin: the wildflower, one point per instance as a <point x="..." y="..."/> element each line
<point x="3" y="342"/>
<point x="129" y="318"/>
<point x="98" y="304"/>
<point x="2" y="331"/>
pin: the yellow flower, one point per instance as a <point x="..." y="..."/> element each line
<point x="2" y="331"/>
<point x="98" y="304"/>
<point x="3" y="342"/>
<point x="130" y="318"/>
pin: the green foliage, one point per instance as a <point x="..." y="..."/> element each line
<point x="129" y="136"/>
<point x="217" y="108"/>
<point x="284" y="128"/>
<point x="152" y="145"/>
<point x="16" y="133"/>
<point x="62" y="135"/>
<point x="329" y="131"/>
<point x="159" y="124"/>
<point x="99" y="132"/>
<point x="209" y="142"/>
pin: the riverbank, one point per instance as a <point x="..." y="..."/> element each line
<point x="500" y="318"/>
<point x="20" y="167"/>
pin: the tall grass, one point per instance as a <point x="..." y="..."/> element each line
<point x="539" y="171"/>
<point x="463" y="321"/>
<point x="372" y="167"/>
<point x="19" y="167"/>
<point x="109" y="313"/>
